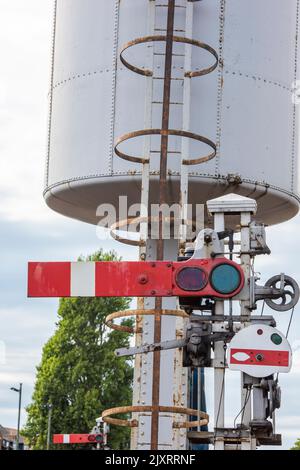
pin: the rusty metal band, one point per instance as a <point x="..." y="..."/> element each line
<point x="124" y="223"/>
<point x="137" y="220"/>
<point x="109" y="321"/>
<point x="107" y="415"/>
<point x="178" y="39"/>
<point x="163" y="133"/>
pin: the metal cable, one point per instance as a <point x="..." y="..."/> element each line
<point x="222" y="392"/>
<point x="242" y="412"/>
<point x="290" y="322"/>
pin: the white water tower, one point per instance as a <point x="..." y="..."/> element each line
<point x="245" y="107"/>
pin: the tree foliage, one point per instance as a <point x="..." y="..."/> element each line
<point x="296" y="445"/>
<point x="79" y="374"/>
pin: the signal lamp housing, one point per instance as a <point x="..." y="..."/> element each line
<point x="208" y="278"/>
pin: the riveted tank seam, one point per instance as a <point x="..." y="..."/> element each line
<point x="220" y="82"/>
<point x="218" y="178"/>
<point x="51" y="93"/>
<point x="264" y="80"/>
<point x="114" y="83"/>
<point x="81" y="75"/>
<point x="293" y="103"/>
<point x="236" y="73"/>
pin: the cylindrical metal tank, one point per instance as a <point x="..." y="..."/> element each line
<point x="246" y="105"/>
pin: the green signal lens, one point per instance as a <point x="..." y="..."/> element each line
<point x="225" y="278"/>
<point x="276" y="339"/>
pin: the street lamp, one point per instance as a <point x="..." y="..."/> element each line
<point x="49" y="425"/>
<point x="19" y="391"/>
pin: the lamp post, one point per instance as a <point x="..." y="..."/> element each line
<point x="19" y="391"/>
<point x="50" y="407"/>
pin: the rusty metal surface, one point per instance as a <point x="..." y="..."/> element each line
<point x="178" y="39"/>
<point x="165" y="133"/>
<point x="125" y="223"/>
<point x="107" y="415"/>
<point x="138" y="312"/>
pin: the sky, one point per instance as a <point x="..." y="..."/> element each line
<point x="32" y="232"/>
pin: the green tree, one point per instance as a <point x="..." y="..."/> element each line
<point x="79" y="374"/>
<point x="296" y="445"/>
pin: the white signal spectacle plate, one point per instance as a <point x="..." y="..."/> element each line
<point x="259" y="351"/>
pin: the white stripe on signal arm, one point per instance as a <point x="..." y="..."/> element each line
<point x="66" y="438"/>
<point x="83" y="279"/>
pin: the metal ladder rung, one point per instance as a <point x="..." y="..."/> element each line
<point x="162" y="54"/>
<point x="171" y="102"/>
<point x="175" y="79"/>
<point x="166" y="6"/>
<point x="169" y="151"/>
<point x="164" y="30"/>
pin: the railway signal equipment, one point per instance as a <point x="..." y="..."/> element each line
<point x="97" y="437"/>
<point x="202" y="281"/>
<point x="259" y="350"/>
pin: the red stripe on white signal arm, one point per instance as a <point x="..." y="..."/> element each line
<point x="268" y="357"/>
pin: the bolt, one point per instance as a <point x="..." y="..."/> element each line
<point x="259" y="357"/>
<point x="143" y="279"/>
<point x="153" y="292"/>
<point x="207" y="239"/>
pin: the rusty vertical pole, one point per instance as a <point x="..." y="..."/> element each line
<point x="162" y="200"/>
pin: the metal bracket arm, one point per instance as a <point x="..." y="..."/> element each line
<point x="172" y="344"/>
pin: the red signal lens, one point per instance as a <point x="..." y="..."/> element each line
<point x="191" y="279"/>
